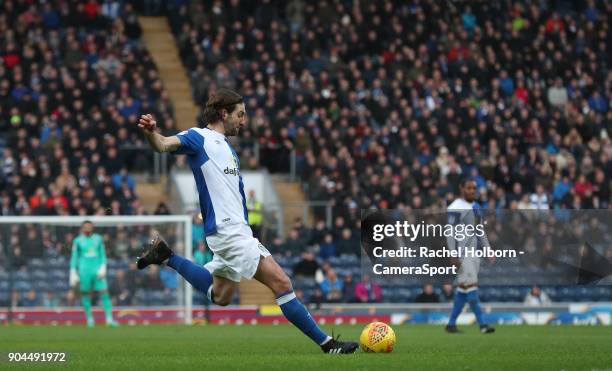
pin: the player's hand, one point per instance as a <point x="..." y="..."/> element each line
<point x="147" y="123"/>
<point x="74" y="278"/>
<point x="101" y="273"/>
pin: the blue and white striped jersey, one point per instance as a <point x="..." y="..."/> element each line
<point x="216" y="169"/>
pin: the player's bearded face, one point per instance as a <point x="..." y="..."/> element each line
<point x="235" y="121"/>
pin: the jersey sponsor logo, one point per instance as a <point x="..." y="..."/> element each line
<point x="234" y="171"/>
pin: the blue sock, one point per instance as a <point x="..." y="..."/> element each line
<point x="297" y="314"/>
<point x="474" y="301"/>
<point x="199" y="277"/>
<point x="460" y="299"/>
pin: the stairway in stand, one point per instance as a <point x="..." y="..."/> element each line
<point x="164" y="51"/>
<point x="293" y="201"/>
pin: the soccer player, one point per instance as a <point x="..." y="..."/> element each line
<point x="466" y="211"/>
<point x="88" y="266"/>
<point x="237" y="253"/>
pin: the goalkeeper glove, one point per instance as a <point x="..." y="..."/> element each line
<point x="74" y="277"/>
<point x="101" y="271"/>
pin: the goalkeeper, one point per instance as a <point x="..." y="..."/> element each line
<point x="88" y="266"/>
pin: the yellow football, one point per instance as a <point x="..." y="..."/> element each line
<point x="377" y="337"/>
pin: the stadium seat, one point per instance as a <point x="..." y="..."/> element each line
<point x="36" y="262"/>
<point x="22" y="286"/>
<point x="39" y="274"/>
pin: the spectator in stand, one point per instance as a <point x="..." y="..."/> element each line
<point x="583" y="187"/>
<point x="536" y="297"/>
<point x="327" y="248"/>
<point x="121" y="244"/>
<point x="153" y="280"/>
<point x="293" y="246"/>
<point x="367" y="291"/>
<point x="317" y="236"/>
<point x="348" y="289"/>
<point x="121" y="292"/>
<point x="276" y="246"/>
<point x="347" y="244"/>
<point x="490" y="90"/>
<point x="562" y="188"/>
<point x="66" y="99"/>
<point x="123" y="177"/>
<point x="557" y="94"/>
<point x="317" y="298"/>
<point x="50" y="300"/>
<point x="303" y="231"/>
<point x="255" y="211"/>
<point x="30" y="299"/>
<point x="448" y="293"/>
<point x="307" y="267"/>
<point x="539" y="199"/>
<point x="133" y="276"/>
<point x="428" y="295"/>
<point x="70" y="299"/>
<point x="331" y="287"/>
<point x="162" y="209"/>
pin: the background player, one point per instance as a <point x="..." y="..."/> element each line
<point x="88" y="266"/>
<point x="216" y="169"/>
<point x="465" y="211"/>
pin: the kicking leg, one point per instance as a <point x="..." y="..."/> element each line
<point x="272" y="275"/>
<point x="218" y="289"/>
<point x="198" y="276"/>
<point x="159" y="253"/>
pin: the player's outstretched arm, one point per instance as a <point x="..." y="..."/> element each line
<point x="158" y="142"/>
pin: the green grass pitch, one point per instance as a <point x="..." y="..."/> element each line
<point x="284" y="348"/>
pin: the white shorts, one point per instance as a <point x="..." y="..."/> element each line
<point x="237" y="252"/>
<point x="468" y="272"/>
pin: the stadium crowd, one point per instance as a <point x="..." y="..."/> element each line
<point x="74" y="76"/>
<point x="388" y="104"/>
<point x="385" y="105"/>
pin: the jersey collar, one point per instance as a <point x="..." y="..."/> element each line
<point x="215" y="133"/>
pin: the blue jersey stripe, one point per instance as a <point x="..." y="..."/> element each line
<point x="240" y="184"/>
<point x="196" y="160"/>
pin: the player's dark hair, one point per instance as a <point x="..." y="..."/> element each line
<point x="223" y="98"/>
<point x="86" y="222"/>
<point x="465" y="181"/>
